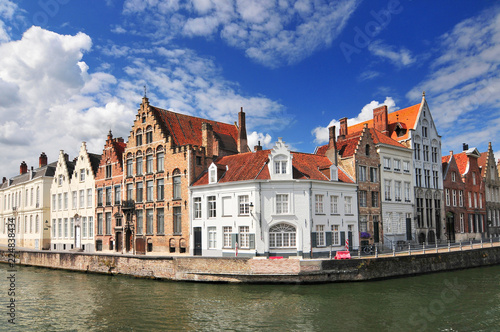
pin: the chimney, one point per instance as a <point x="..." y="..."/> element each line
<point x="343" y="128"/>
<point x="207" y="139"/>
<point x="257" y="147"/>
<point x="451" y="152"/>
<point x="380" y="121"/>
<point x="242" y="132"/>
<point x="23" y="169"/>
<point x="465" y="147"/>
<point x="4" y="179"/>
<point x="331" y="152"/>
<point x="66" y="157"/>
<point x="42" y="160"/>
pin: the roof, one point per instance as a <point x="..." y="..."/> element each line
<point x="186" y="129"/>
<point x="462" y="161"/>
<point x="406" y="117"/>
<point x="95" y="160"/>
<point x="481" y="161"/>
<point x="253" y="166"/>
<point x="47" y="171"/>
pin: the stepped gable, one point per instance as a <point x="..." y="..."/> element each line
<point x="186" y="129"/>
<point x="405" y="117"/>
<point x="347" y="146"/>
<point x="253" y="166"/>
<point x="481" y="161"/>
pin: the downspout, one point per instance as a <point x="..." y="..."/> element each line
<point x="310" y="217"/>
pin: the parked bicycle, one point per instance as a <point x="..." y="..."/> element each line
<point x="369" y="249"/>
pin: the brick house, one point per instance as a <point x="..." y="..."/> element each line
<point x="489" y="173"/>
<point x="356" y="154"/>
<point x="474" y="193"/>
<point x="111" y="231"/>
<point x="165" y="153"/>
<point x="454" y="200"/>
<point x="273" y="203"/>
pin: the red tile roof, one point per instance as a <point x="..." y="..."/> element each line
<point x="379" y="138"/>
<point x="481" y="161"/>
<point x="406" y="117"/>
<point x="186" y="129"/>
<point x="253" y="166"/>
<point x="462" y="161"/>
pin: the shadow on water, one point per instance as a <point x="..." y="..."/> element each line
<point x="52" y="300"/>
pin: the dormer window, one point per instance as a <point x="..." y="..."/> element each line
<point x="212" y="174"/>
<point x="334" y="173"/>
<point x="61" y="177"/>
<point x="280" y="167"/>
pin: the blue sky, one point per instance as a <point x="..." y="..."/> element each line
<point x="70" y="70"/>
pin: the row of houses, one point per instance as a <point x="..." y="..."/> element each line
<point x="186" y="185"/>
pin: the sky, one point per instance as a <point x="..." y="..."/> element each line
<point x="71" y="70"/>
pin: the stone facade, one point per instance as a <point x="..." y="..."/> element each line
<point x="489" y="173"/>
<point x="112" y="233"/>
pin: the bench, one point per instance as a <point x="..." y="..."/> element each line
<point x="342" y="255"/>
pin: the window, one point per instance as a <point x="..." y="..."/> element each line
<point x="160" y="161"/>
<point x="361" y="173"/>
<point x="212" y="212"/>
<point x="435" y="179"/>
<point x="424" y="131"/>
<point x="447" y="197"/>
<point x="281" y="203"/>
<point x="367" y="150"/>
<point x="434" y="154"/>
<point x="397" y="165"/>
<point x="59" y="201"/>
<point x="160" y="221"/>
<point x="406" y="166"/>
<point x="387" y="163"/>
<point x="348" y="205"/>
<point x="108" y="196"/>
<point x="417" y="151"/>
<point x="426" y="153"/>
<point x="149" y="191"/>
<point x="138" y="139"/>
<point x="160" y="190"/>
<point x="373" y="174"/>
<point x="407" y="192"/>
<point x="60" y="180"/>
<point x="397" y="191"/>
<point x="474" y="178"/>
<point x="213" y="175"/>
<point x="149" y="135"/>
<point x="470" y="199"/>
<point x="418" y="177"/>
<point x="212" y="237"/>
<point x="227" y="236"/>
<point x="177" y="220"/>
<point x="454" y="194"/>
<point x="54" y="206"/>
<point x="149" y="163"/>
<point x="244" y="237"/>
<point x="84" y="227"/>
<point x="75" y="200"/>
<point x="139" y="165"/>
<point x="91" y="227"/>
<point x="480" y="200"/>
<point x="99" y="224"/>
<point x="130" y="191"/>
<point x="374" y="198"/>
<point x="387" y="190"/>
<point x="335" y="235"/>
<point x="89" y="197"/>
<point x="82" y="175"/>
<point x="362" y="198"/>
<point x="475" y="200"/>
<point x="197" y="207"/>
<point x="139" y="215"/>
<point x="31" y="197"/>
<point x="280" y="167"/>
<point x="118" y="194"/>
<point x="108" y="171"/>
<point x="66" y="227"/>
<point x="318" y="199"/>
<point x="138" y="193"/>
<point x="462" y="225"/>
<point x="54" y="229"/>
<point x="320" y="235"/>
<point x="130" y="167"/>
<point x="244" y="207"/>
<point x="334" y="204"/>
<point x="363" y="226"/>
<point x="177" y="187"/>
<point x="453" y="176"/>
<point x="282" y="236"/>
<point x="427" y="178"/>
<point x="149" y="221"/>
<point x="65" y="201"/>
<point x="108" y="223"/>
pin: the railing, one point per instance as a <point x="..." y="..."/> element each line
<point x="128" y="204"/>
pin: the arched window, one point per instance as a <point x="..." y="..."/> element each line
<point x="139" y="163"/>
<point x="143" y="117"/>
<point x="37" y="224"/>
<point x="176" y="182"/>
<point x="149" y="134"/>
<point x="149" y="161"/>
<point x="282" y="236"/>
<point x="367" y="149"/>
<point x="37" y="196"/>
<point x="31" y="224"/>
<point x="138" y="138"/>
<point x="160" y="159"/>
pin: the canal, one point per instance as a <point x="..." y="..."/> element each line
<point x="52" y="300"/>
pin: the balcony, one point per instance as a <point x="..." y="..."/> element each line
<point x="128" y="204"/>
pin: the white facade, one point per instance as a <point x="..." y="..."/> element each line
<point x="26" y="198"/>
<point x="280" y="216"/>
<point x="73" y="204"/>
<point x="397" y="193"/>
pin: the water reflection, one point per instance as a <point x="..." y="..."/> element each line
<point x="54" y="300"/>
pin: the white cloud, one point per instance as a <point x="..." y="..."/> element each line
<point x="399" y="58"/>
<point x="270" y="32"/>
<point x="254" y="138"/>
<point x="321" y="133"/>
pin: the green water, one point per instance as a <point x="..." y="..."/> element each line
<point x="51" y="300"/>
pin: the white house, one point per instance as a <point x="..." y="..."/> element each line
<point x="73" y="204"/>
<point x="273" y="203"/>
<point x="26" y="198"/>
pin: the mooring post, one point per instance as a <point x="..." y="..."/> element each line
<point x="393" y="251"/>
<point x="471" y="245"/>
<point x="437" y="250"/>
<point x="460" y="245"/>
<point x="376" y="251"/>
<point x="423" y="248"/>
<point x="449" y="246"/>
<point x="481" y="242"/>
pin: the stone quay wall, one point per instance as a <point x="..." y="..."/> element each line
<point x="259" y="270"/>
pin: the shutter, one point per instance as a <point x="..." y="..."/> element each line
<point x="342" y="239"/>
<point x="328" y="238"/>
<point x="234" y="239"/>
<point x="408" y="229"/>
<point x="313" y="239"/>
<point x="252" y="241"/>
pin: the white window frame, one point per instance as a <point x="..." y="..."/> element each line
<point x="212" y="237"/>
<point x="282" y="204"/>
<point x="318" y="203"/>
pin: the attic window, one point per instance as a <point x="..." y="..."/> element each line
<point x="334" y="173"/>
<point x="143" y="118"/>
<point x="367" y="150"/>
<point x="400" y="131"/>
<point x="212" y="175"/>
<point x="280" y="167"/>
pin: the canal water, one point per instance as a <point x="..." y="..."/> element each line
<point x="53" y="300"/>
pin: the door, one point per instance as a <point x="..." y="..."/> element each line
<point x="349" y="236"/>
<point x="197" y="241"/>
<point x="118" y="238"/>
<point x="450" y="227"/>
<point x="78" y="238"/>
<point x="128" y="240"/>
<point x="408" y="229"/>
